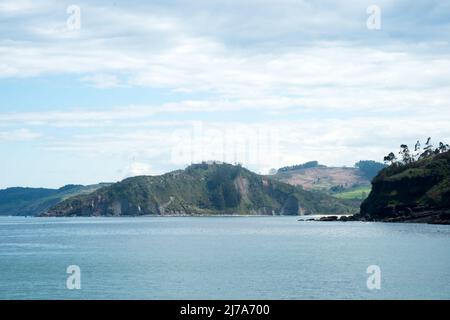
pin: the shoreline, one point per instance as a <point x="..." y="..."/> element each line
<point x="428" y="218"/>
<point x="165" y="215"/>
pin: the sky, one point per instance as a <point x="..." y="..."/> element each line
<point x="97" y="91"/>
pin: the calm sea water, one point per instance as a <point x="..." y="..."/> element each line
<point x="221" y="258"/>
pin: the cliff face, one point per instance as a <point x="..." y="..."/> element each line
<point x="200" y="189"/>
<point x="418" y="192"/>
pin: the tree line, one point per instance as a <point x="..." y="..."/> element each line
<point x="407" y="156"/>
<point x="306" y="165"/>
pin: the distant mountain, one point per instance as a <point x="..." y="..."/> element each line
<point x="323" y="178"/>
<point x="34" y="201"/>
<point x="341" y="182"/>
<point x="414" y="192"/>
<point x="201" y="189"/>
<point x="306" y="165"/>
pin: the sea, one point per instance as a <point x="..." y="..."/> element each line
<point x="221" y="258"/>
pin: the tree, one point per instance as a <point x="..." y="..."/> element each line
<point x="369" y="168"/>
<point x="222" y="191"/>
<point x="443" y="147"/>
<point x="417" y="149"/>
<point x="306" y="165"/>
<point x="390" y="158"/>
<point x="419" y="154"/>
<point x="338" y="188"/>
<point x="406" y="154"/>
<point x="428" y="150"/>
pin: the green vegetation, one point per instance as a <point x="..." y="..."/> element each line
<point x="33" y="201"/>
<point x="415" y="186"/>
<point x="306" y="165"/>
<point x="222" y="191"/>
<point x="202" y="189"/>
<point x="356" y="193"/>
<point x="408" y="157"/>
<point x="369" y="168"/>
<point x="340" y="182"/>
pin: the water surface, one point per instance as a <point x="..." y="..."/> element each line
<point x="221" y="258"/>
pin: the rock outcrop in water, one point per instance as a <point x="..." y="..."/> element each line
<point x="201" y="189"/>
<point x="416" y="192"/>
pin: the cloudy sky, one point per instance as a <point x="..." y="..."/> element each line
<point x="144" y="87"/>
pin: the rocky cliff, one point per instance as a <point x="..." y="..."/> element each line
<point x="201" y="189"/>
<point x="416" y="192"/>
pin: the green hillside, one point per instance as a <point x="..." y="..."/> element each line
<point x="202" y="189"/>
<point x="313" y="176"/>
<point x="417" y="191"/>
<point x="356" y="193"/>
<point x="34" y="201"/>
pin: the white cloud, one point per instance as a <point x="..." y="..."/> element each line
<point x="20" y="7"/>
<point x="19" y="135"/>
<point x="334" y="91"/>
<point x="259" y="145"/>
<point x="102" y="80"/>
<point x="137" y="169"/>
<point x="162" y="49"/>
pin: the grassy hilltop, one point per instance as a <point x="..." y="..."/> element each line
<point x="202" y="189"/>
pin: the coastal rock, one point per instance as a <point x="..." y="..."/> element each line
<point x="329" y="218"/>
<point x="418" y="192"/>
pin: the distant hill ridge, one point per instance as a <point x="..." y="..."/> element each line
<point x="314" y="176"/>
<point x="201" y="189"/>
<point x="33" y="201"/>
<point x="306" y="165"/>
